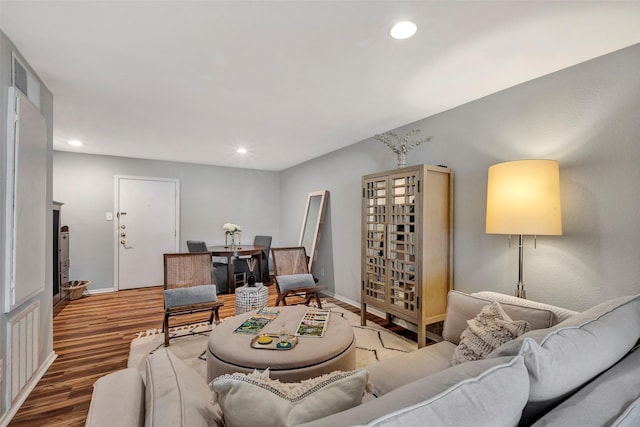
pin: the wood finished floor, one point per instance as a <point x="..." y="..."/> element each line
<point x="91" y="337"/>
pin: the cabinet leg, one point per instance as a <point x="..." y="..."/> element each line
<point x="422" y="335"/>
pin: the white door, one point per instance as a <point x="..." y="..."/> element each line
<point x="147" y="221"/>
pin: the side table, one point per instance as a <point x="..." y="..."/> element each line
<point x="249" y="298"/>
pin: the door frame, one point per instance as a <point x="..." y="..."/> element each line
<point x="116" y="232"/>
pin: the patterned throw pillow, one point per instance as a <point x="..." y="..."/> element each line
<point x="491" y="328"/>
<point x="254" y="399"/>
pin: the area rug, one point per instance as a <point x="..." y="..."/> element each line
<point x="373" y="343"/>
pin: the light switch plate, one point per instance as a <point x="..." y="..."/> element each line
<point x="109" y="216"/>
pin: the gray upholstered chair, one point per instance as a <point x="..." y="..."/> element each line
<point x="188" y="288"/>
<point x="240" y="263"/>
<point x="291" y="268"/>
<point x="219" y="264"/>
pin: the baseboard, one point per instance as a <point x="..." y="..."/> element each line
<point x="99" y="291"/>
<point x="28" y="388"/>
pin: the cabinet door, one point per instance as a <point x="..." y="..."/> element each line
<point x="402" y="239"/>
<point x="374" y="222"/>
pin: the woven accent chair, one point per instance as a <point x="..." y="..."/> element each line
<point x="188" y="288"/>
<point x="291" y="268"/>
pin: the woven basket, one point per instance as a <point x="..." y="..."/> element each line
<point x="76" y="288"/>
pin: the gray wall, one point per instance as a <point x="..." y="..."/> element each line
<point x="45" y="298"/>
<point x="586" y="117"/>
<point x="209" y="197"/>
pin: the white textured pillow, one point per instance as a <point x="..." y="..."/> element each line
<point x="254" y="399"/>
<point x="491" y="328"/>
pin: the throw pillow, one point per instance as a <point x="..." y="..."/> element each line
<point x="563" y="358"/>
<point x="254" y="399"/>
<point x="175" y="394"/>
<point x="491" y="328"/>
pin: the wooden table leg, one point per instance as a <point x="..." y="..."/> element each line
<point x="230" y="282"/>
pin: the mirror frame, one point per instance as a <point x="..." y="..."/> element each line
<point x="313" y="252"/>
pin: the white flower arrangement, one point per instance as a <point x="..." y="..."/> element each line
<point x="399" y="144"/>
<point x="231" y="228"/>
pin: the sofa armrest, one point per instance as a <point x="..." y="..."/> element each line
<point x="462" y="307"/>
<point x="559" y="313"/>
<point x="117" y="400"/>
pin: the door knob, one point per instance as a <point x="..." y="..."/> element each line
<point x="123" y="242"/>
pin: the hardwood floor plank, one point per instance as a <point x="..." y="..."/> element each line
<point x="91" y="337"/>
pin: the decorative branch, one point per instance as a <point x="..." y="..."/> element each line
<point x="251" y="263"/>
<point x="399" y="144"/>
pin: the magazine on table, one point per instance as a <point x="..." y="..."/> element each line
<point x="313" y="323"/>
<point x="255" y="323"/>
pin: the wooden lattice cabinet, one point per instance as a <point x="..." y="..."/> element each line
<point x="407" y="236"/>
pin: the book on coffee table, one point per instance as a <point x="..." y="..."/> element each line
<point x="313" y="323"/>
<point x="255" y="323"/>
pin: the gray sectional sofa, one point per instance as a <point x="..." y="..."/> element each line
<point x="571" y="369"/>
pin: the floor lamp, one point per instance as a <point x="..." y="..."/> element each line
<point x="523" y="198"/>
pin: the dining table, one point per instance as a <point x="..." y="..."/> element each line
<point x="231" y="252"/>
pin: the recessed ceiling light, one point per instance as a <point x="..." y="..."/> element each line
<point x="241" y="150"/>
<point x="403" y="30"/>
<point x="75" y="143"/>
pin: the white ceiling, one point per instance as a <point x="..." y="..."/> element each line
<point x="192" y="81"/>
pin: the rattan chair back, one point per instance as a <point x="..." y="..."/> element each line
<point x="188" y="288"/>
<point x="289" y="261"/>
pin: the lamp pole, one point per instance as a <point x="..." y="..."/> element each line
<point x="520" y="292"/>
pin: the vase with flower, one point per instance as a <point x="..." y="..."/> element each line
<point x="400" y="145"/>
<point x="232" y="233"/>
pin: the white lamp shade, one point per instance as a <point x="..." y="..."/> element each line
<point x="523" y="197"/>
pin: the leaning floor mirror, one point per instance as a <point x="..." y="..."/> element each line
<point x="311" y="223"/>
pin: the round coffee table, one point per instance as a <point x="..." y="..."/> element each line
<point x="229" y="352"/>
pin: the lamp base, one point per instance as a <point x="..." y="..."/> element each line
<point x="520" y="292"/>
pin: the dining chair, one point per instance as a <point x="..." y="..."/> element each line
<point x="219" y="264"/>
<point x="291" y="269"/>
<point x="240" y="263"/>
<point x="188" y="288"/>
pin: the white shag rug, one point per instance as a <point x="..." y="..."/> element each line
<point x="373" y="343"/>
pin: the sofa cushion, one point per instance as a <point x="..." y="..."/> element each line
<point x="254" y="399"/>
<point x="609" y="398"/>
<point x="295" y="281"/>
<point x="179" y="297"/>
<point x="462" y="307"/>
<point x="630" y="417"/>
<point x="176" y="395"/>
<point x="491" y="328"/>
<point x="563" y="358"/>
<point x="490" y="392"/>
<point x="389" y="374"/>
<point x="117" y="400"/>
